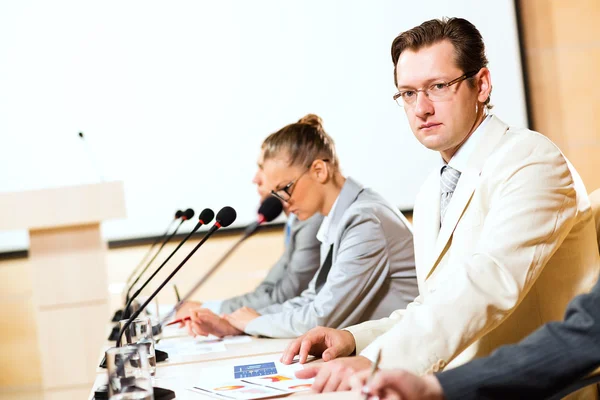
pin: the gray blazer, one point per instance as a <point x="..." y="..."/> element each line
<point x="544" y="363"/>
<point x="372" y="271"/>
<point x="292" y="272"/>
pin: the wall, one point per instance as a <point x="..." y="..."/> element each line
<point x="561" y="44"/>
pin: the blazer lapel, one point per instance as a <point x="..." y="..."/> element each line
<point x="468" y="182"/>
<point x="460" y="199"/>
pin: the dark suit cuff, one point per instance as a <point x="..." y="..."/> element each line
<point x="458" y="384"/>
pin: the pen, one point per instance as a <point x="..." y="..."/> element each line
<point x="373" y="370"/>
<point x="178" y="321"/>
<point x="177" y="293"/>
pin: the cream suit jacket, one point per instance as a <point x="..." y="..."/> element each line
<point x="518" y="243"/>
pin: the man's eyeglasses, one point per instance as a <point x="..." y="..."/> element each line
<point x="439" y="91"/>
<point x="285" y="193"/>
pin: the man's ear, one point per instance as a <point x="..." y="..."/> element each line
<point x="484" y="86"/>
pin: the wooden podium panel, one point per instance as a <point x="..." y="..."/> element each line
<point x="68" y="276"/>
<point x="70" y="337"/>
<point x="68" y="266"/>
<point x="62" y="207"/>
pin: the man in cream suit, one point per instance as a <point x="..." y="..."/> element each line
<point x="503" y="230"/>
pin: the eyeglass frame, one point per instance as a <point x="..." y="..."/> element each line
<point x="461" y="78"/>
<point x="286" y="188"/>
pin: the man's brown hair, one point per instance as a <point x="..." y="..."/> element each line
<point x="465" y="37"/>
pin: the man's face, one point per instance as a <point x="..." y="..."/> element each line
<point x="262" y="186"/>
<point x="444" y="125"/>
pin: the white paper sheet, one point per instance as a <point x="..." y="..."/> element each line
<point x="251" y="378"/>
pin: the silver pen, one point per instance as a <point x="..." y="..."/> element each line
<point x="373" y="370"/>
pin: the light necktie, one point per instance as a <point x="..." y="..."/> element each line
<point x="448" y="181"/>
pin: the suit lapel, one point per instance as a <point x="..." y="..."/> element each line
<point x="468" y="182"/>
<point x="460" y="199"/>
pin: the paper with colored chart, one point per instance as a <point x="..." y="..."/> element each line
<point x="253" y="381"/>
<point x="287" y="383"/>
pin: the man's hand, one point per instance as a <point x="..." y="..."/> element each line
<point x="398" y="384"/>
<point x="185" y="309"/>
<point x="241" y="317"/>
<point x="322" y="342"/>
<point x="204" y="322"/>
<point x="334" y="376"/>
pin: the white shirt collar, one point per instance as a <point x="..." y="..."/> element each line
<point x="323" y="233"/>
<point x="461" y="158"/>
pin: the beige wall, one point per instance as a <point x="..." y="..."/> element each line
<point x="561" y="43"/>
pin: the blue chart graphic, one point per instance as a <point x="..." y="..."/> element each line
<point x="248" y="371"/>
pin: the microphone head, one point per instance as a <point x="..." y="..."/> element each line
<point x="188" y="214"/>
<point x="178" y="214"/>
<point x="226" y="216"/>
<point x="206" y="216"/>
<point x="270" y="209"/>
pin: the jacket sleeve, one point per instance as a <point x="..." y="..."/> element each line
<point x="289" y="276"/>
<point x="548" y="360"/>
<point x="359" y="269"/>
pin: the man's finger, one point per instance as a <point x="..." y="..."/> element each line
<point x="290" y="352"/>
<point x="334" y="381"/>
<point x="305" y="347"/>
<point x="345" y="381"/>
<point x="384" y="382"/>
<point x="331" y="353"/>
<point x="359" y="379"/>
<point x="323" y="376"/>
<point x="309" y="372"/>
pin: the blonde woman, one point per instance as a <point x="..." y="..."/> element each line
<point x="367" y="260"/>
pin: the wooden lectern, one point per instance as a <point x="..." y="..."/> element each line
<point x="69" y="279"/>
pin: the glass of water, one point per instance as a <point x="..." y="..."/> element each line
<point x="140" y="332"/>
<point x="129" y="373"/>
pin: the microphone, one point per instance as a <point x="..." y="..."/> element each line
<point x="178" y="214"/>
<point x="206" y="216"/>
<point x="225" y="217"/>
<point x="119" y="313"/>
<point x="268" y="211"/>
<point x="187" y="214"/>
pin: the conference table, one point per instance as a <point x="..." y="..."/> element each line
<point x="180" y="372"/>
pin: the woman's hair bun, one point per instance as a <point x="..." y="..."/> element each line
<point x="312" y="120"/>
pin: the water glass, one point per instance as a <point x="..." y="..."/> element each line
<point x="129" y="373"/>
<point x="140" y="332"/>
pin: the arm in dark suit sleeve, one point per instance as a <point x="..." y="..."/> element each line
<point x="545" y="362"/>
<point x="289" y="276"/>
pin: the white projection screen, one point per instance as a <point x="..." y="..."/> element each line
<point x="175" y="97"/>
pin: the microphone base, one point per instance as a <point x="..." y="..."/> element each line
<point x="160" y="357"/>
<point x="101" y="393"/>
<point x="117" y="316"/>
<point x="156" y="330"/>
<point x="114" y="334"/>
